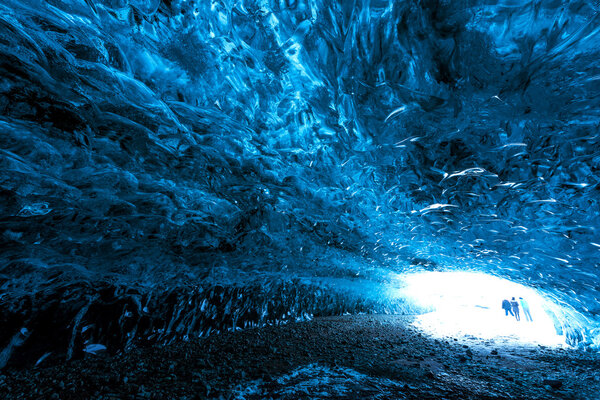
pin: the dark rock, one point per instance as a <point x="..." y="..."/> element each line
<point x="553" y="383"/>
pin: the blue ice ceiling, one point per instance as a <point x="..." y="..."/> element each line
<point x="186" y="166"/>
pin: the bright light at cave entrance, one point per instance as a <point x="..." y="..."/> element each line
<point x="469" y="303"/>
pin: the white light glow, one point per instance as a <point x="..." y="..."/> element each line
<point x="470" y="303"/>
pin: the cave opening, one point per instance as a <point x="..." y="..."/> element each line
<point x="470" y="304"/>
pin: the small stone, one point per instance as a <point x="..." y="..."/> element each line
<point x="494" y="352"/>
<point x="553" y="383"/>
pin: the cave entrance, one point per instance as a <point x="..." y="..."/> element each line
<point x="467" y="304"/>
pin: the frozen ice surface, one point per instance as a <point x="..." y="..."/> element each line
<point x="321" y="382"/>
<point x="176" y="168"/>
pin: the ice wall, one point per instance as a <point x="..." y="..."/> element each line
<point x="287" y="156"/>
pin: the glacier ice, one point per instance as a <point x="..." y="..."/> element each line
<point x="179" y="167"/>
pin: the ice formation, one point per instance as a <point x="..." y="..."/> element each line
<point x="172" y="168"/>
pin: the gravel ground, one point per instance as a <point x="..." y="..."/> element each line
<point x="349" y="357"/>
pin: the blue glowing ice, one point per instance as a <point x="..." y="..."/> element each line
<point x="189" y="166"/>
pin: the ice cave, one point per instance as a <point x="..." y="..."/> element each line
<point x="299" y="199"/>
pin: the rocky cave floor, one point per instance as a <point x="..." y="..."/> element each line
<point x="349" y="357"/>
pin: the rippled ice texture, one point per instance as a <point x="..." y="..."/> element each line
<point x="188" y="166"/>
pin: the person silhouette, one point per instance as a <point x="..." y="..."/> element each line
<point x="515" y="308"/>
<point x="525" y="307"/>
<point x="507" y="307"/>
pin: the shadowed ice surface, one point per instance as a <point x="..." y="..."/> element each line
<point x="173" y="168"/>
